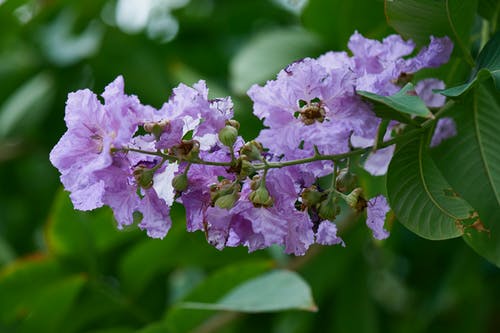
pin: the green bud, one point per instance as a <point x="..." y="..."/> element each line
<point x="180" y="182"/>
<point x="225" y="187"/>
<point x="252" y="151"/>
<point x="246" y="169"/>
<point x="329" y="209"/>
<point x="156" y="128"/>
<point x="233" y="123"/>
<point x="187" y="150"/>
<point x="311" y="196"/>
<point x="260" y="197"/>
<point x="255" y="183"/>
<point x="355" y="199"/>
<point x="228" y="135"/>
<point x="143" y="176"/>
<point x="345" y="181"/>
<point x="227" y="201"/>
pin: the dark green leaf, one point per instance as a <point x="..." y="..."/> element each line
<point x="405" y="101"/>
<point x="487" y="64"/>
<point x="471" y="163"/>
<point x="419" y="19"/>
<point x="52" y="304"/>
<point x="488" y="8"/>
<point x="275" y="291"/>
<point x="420" y="196"/>
<point x="82" y="234"/>
<point x="21" y="281"/>
<point x="336" y="20"/>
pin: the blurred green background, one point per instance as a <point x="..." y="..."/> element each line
<point x="67" y="271"/>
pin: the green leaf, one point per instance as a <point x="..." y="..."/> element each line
<point x="52" y="304"/>
<point x="336" y="20"/>
<point x="212" y="289"/>
<point x="487" y="65"/>
<point x="155" y="256"/>
<point x="420" y="196"/>
<point x="404" y="101"/>
<point x="21" y="281"/>
<point x="471" y="163"/>
<point x="419" y="19"/>
<point x="83" y="235"/>
<point x="488" y="9"/>
<point x="27" y="105"/>
<point x="275" y="291"/>
<point x="266" y="54"/>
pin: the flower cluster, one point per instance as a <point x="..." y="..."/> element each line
<point x="139" y="160"/>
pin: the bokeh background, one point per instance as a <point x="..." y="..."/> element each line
<point x="68" y="271"/>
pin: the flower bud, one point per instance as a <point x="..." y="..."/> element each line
<point x="355" y="199"/>
<point x="252" y="151"/>
<point x="311" y="196"/>
<point x="143" y="176"/>
<point x="233" y="123"/>
<point x="227" y="201"/>
<point x="225" y="187"/>
<point x="246" y="169"/>
<point x="345" y="181"/>
<point x="180" y="182"/>
<point x="329" y="209"/>
<point x="228" y="135"/>
<point x="186" y="150"/>
<point x="156" y="128"/>
<point x="260" y="197"/>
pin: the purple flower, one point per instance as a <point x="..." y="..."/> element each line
<point x="155" y="215"/>
<point x="310" y="106"/>
<point x="376" y="212"/>
<point x="437" y="53"/>
<point x="425" y="88"/>
<point x="327" y="234"/>
<point x="445" y="128"/>
<point x="93" y="129"/>
<point x="203" y="116"/>
<point x="377" y="161"/>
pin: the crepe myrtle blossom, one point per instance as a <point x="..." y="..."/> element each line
<point x="139" y="160"/>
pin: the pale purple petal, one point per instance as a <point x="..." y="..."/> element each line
<point x="425" y="89"/>
<point x="376" y="213"/>
<point x="445" y="129"/>
<point x="155" y="215"/>
<point x="437" y="53"/>
<point x="378" y="161"/>
<point x="327" y="234"/>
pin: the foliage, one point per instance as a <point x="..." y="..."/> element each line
<point x="68" y="271"/>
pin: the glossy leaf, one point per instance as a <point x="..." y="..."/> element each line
<point x="487" y="65"/>
<point x="471" y="163"/>
<point x="419" y="19"/>
<point x="275" y="291"/>
<point x="404" y="101"/>
<point x="212" y="289"/>
<point x="420" y="196"/>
